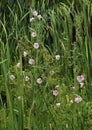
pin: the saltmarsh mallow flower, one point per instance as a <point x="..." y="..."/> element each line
<point x="27" y="78"/>
<point x="35" y="13"/>
<point x="55" y="92"/>
<point x="78" y="99"/>
<point x="39" y="17"/>
<point x="71" y="101"/>
<point x="81" y="84"/>
<point x="36" y="45"/>
<point x="39" y="81"/>
<point x="57" y="86"/>
<point x="24" y="53"/>
<point x="80" y="78"/>
<point x="57" y="57"/>
<point x="18" y="65"/>
<point x="58" y="104"/>
<point x="19" y="97"/>
<point x="31" y="19"/>
<point x="31" y="61"/>
<point x="12" y="77"/>
<point x="33" y="34"/>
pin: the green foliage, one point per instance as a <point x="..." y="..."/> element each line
<point x="65" y="30"/>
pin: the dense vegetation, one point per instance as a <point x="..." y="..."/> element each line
<point x="45" y="65"/>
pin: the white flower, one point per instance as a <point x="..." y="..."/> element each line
<point x="24" y="53"/>
<point x="73" y="88"/>
<point x="31" y="19"/>
<point x="66" y="125"/>
<point x="71" y="101"/>
<point x="12" y="77"/>
<point x="27" y="78"/>
<point x="18" y="65"/>
<point x="35" y="13"/>
<point x="81" y="84"/>
<point x="33" y="34"/>
<point x="19" y="97"/>
<point x="58" y="104"/>
<point x="57" y="86"/>
<point x="57" y="57"/>
<point x="36" y="45"/>
<point x="39" y="81"/>
<point x="31" y="61"/>
<point x="39" y="17"/>
<point x="55" y="92"/>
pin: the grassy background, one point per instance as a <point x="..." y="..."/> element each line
<point x="65" y="29"/>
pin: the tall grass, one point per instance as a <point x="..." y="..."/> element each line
<point x="64" y="30"/>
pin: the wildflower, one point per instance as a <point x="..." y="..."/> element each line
<point x="31" y="19"/>
<point x="39" y="17"/>
<point x="55" y="92"/>
<point x="36" y="45"/>
<point x="81" y="84"/>
<point x="12" y="77"/>
<point x="31" y="61"/>
<point x="35" y="13"/>
<point x="26" y="78"/>
<point x="58" y="104"/>
<point x="19" y="97"/>
<point x="24" y="53"/>
<point x="33" y="34"/>
<point x="66" y="125"/>
<point x="18" y="65"/>
<point x="73" y="88"/>
<point x="71" y="101"/>
<point x="78" y="99"/>
<point x="80" y="78"/>
<point x="39" y="81"/>
<point x="57" y="57"/>
<point x="57" y="86"/>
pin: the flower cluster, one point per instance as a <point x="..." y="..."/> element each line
<point x="35" y="14"/>
<point x="80" y="79"/>
<point x="55" y="93"/>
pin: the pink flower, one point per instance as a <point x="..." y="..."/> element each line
<point x="39" y="80"/>
<point x="24" y="53"/>
<point x="81" y="84"/>
<point x="12" y="77"/>
<point x="57" y="57"/>
<point x="26" y="78"/>
<point x="80" y="78"/>
<point x="55" y="92"/>
<point x="35" y="13"/>
<point x="18" y="65"/>
<point x="36" y="45"/>
<point x="33" y="34"/>
<point x="31" y="61"/>
<point x="78" y="99"/>
<point x="31" y="19"/>
<point x="39" y="17"/>
<point x="58" y="104"/>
